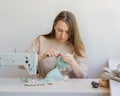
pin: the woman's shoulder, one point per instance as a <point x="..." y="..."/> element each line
<point x="41" y="38"/>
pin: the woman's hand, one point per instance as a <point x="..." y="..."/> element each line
<point x="77" y="70"/>
<point x="68" y="58"/>
<point x="51" y="53"/>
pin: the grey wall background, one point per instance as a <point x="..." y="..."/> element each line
<point x="98" y="20"/>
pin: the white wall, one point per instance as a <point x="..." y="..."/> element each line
<point x="98" y="20"/>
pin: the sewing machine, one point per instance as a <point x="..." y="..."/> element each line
<point x="28" y="60"/>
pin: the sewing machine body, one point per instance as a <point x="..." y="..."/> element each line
<point x="28" y="60"/>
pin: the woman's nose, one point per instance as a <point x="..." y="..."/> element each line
<point x="63" y="34"/>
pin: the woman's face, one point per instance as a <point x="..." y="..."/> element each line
<point x="61" y="31"/>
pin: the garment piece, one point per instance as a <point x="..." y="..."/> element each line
<point x="42" y="44"/>
<point x="110" y="74"/>
<point x="52" y="77"/>
<point x="55" y="75"/>
<point x="60" y="64"/>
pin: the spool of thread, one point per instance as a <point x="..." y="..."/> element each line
<point x="94" y="84"/>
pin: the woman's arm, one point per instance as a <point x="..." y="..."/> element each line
<point x="35" y="46"/>
<point x="78" y="65"/>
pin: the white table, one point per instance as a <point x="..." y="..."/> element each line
<point x="114" y="85"/>
<point x="73" y="87"/>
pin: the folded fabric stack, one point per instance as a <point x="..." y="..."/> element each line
<point x="109" y="74"/>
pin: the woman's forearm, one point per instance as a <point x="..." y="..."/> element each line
<point x="77" y="70"/>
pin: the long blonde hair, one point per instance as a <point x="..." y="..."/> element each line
<point x="70" y="20"/>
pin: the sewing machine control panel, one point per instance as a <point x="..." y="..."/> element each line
<point x="28" y="60"/>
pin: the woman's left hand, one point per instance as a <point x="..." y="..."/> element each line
<point x="68" y="58"/>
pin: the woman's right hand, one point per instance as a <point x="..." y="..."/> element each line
<point x="51" y="53"/>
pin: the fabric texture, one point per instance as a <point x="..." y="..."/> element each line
<point x="55" y="75"/>
<point x="110" y="74"/>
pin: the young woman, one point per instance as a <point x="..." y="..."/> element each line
<point x="63" y="39"/>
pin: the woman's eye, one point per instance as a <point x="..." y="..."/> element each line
<point x="60" y="30"/>
<point x="67" y="32"/>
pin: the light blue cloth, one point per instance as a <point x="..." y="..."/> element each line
<point x="54" y="75"/>
<point x="60" y="63"/>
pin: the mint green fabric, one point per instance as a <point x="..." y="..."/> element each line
<point x="60" y="63"/>
<point x="53" y="76"/>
